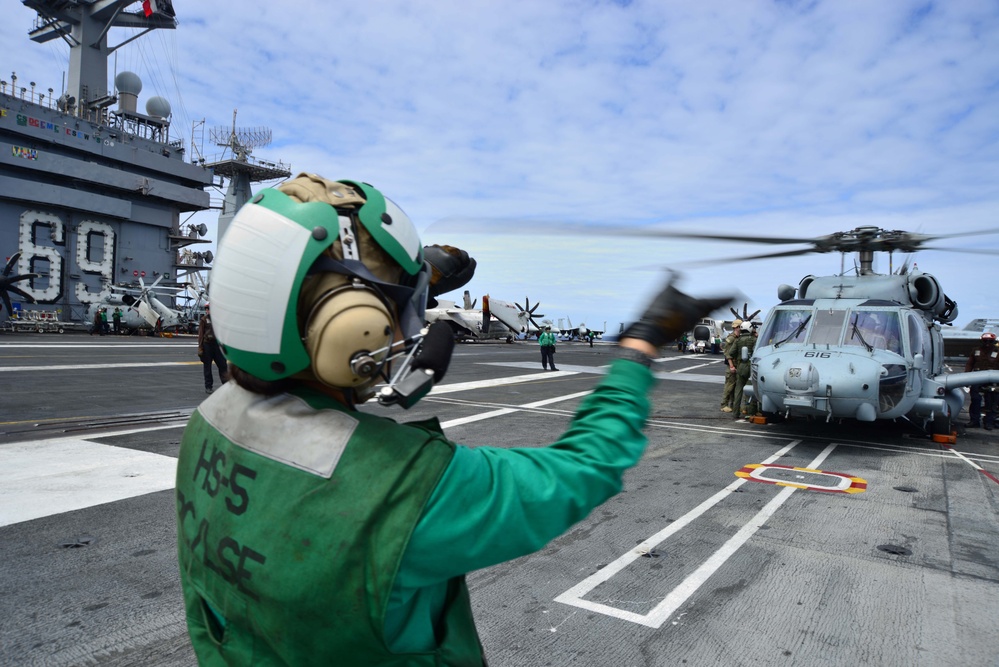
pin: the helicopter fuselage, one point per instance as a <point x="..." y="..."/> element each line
<point x="837" y="357"/>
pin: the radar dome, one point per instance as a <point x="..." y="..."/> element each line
<point x="128" y="82"/>
<point x="158" y="107"/>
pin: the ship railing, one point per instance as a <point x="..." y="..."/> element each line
<point x="28" y="94"/>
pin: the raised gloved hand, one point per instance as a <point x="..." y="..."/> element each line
<point x="670" y="314"/>
<point x="450" y="268"/>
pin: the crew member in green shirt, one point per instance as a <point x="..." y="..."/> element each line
<point x="546" y="341"/>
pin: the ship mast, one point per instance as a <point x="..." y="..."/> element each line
<point x="84" y="25"/>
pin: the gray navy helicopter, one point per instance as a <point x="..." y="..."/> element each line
<point x="859" y="345"/>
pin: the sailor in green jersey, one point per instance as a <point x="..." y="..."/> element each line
<point x="310" y="532"/>
<point x="546" y="341"/>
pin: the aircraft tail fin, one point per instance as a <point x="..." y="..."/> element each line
<point x="469" y="304"/>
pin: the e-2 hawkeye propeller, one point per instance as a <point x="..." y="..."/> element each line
<point x="527" y="310"/>
<point x="7" y="281"/>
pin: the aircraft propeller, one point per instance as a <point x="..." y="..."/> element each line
<point x="7" y="283"/>
<point x="526" y="308"/>
<point x="745" y="317"/>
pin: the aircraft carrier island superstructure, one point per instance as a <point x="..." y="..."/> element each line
<point x="91" y="190"/>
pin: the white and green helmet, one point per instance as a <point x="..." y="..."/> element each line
<point x="270" y="247"/>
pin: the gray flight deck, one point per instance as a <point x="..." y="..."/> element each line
<point x="890" y="558"/>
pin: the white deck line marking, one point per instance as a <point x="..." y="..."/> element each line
<point x="505" y="411"/>
<point x="497" y="382"/>
<point x="662" y="611"/>
<point x="56" y="476"/>
<point x="602" y="370"/>
<point x="966" y="460"/>
<point x="95" y="367"/>
<point x="690" y="368"/>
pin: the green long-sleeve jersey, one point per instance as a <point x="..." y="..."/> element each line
<point x="494" y="504"/>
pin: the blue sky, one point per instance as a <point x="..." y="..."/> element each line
<point x="746" y="117"/>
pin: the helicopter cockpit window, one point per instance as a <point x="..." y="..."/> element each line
<point x="827" y="326"/>
<point x="786" y="326"/>
<point x="875" y="330"/>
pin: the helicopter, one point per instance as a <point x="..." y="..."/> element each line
<point x="865" y="346"/>
<point x="141" y="310"/>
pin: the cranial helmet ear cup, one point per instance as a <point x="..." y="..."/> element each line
<point x="347" y="324"/>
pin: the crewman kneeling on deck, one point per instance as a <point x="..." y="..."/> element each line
<point x="310" y="532"/>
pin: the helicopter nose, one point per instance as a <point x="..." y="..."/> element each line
<point x="844" y="387"/>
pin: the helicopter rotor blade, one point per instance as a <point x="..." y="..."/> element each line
<point x="747" y="258"/>
<point x="860" y="239"/>
<point x="454" y="224"/>
<point x="955" y="235"/>
<point x="970" y="251"/>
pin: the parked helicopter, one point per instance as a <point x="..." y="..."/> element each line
<point x="866" y="346"/>
<point x="141" y="309"/>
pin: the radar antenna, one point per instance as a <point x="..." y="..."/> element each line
<point x="238" y="165"/>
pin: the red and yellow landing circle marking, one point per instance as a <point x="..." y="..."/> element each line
<point x="802" y="478"/>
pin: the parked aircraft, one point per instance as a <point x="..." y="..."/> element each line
<point x="857" y="344"/>
<point x="141" y="309"/>
<point x="495" y="320"/>
<point x="578" y="333"/>
<point x="959" y="343"/>
<point x="704" y="334"/>
<point x="866" y="346"/>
